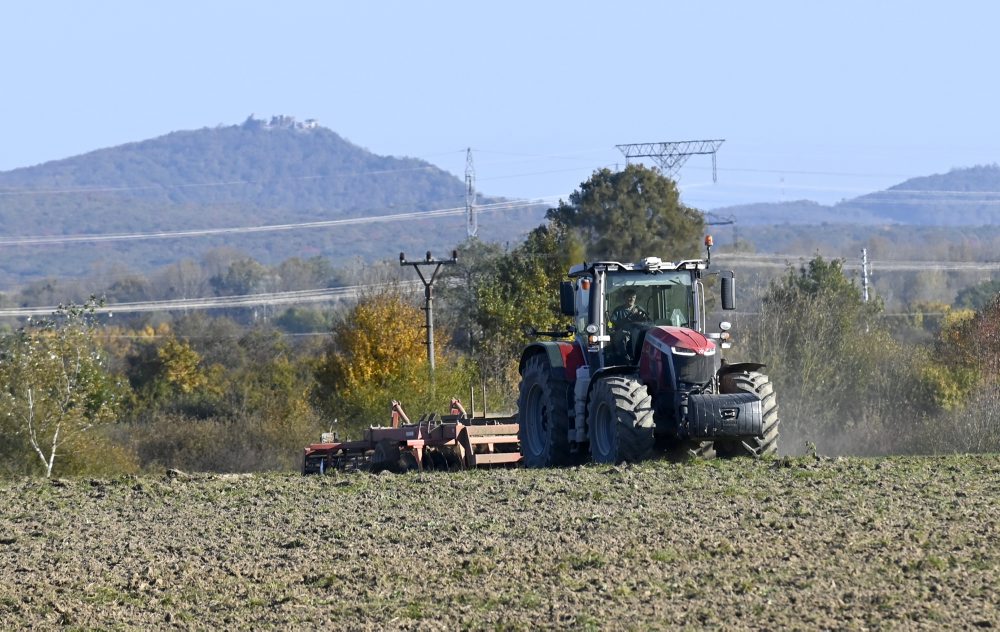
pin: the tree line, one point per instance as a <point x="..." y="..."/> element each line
<point x="223" y="392"/>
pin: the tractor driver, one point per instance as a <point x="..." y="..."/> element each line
<point x="628" y="312"/>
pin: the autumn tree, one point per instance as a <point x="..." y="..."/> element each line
<point x="967" y="354"/>
<point x="523" y="287"/>
<point x="379" y="341"/>
<point x="162" y="367"/>
<point x="629" y="214"/>
<point x="55" y="385"/>
<point x="377" y="354"/>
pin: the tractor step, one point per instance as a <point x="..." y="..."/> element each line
<point x="497" y="458"/>
<point x="493" y="439"/>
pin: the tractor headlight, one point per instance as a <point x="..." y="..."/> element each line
<point x="689" y="353"/>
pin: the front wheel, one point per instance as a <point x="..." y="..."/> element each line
<point x="766" y="443"/>
<point x="620" y="419"/>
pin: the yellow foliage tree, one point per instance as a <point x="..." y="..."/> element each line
<point x="378" y="354"/>
<point x="181" y="366"/>
<point x="380" y="341"/>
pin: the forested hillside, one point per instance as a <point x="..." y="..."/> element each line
<point x="258" y="173"/>
<point x="220" y="185"/>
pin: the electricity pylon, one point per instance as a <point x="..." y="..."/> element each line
<point x="672" y="155"/>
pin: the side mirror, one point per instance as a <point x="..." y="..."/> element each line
<point x="728" y="284"/>
<point x="567" y="300"/>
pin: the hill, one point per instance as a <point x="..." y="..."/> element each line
<point x="793" y="213"/>
<point x="809" y="543"/>
<point x="961" y="197"/>
<point x="278" y="172"/>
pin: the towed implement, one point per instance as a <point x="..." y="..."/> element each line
<point x="435" y="442"/>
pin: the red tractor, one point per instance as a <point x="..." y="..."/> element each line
<point x="641" y="373"/>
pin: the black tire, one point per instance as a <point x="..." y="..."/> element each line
<point x="766" y="443"/>
<point x="434" y="461"/>
<point x="620" y="420"/>
<point x="407" y="462"/>
<point x="543" y="415"/>
<point x="386" y="457"/>
<point x="452" y="461"/>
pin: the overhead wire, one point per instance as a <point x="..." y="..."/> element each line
<point x="296" y="297"/>
<point x="348" y="221"/>
<point x="888" y="265"/>
<point x="219" y="183"/>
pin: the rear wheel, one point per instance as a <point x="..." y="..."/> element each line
<point x="766" y="443"/>
<point x="543" y="415"/>
<point x="620" y="419"/>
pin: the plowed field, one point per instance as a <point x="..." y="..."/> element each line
<point x="809" y="543"/>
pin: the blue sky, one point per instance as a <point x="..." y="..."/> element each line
<point x="822" y="101"/>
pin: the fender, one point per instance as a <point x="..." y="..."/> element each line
<point x="564" y="357"/>
<point x="739" y="367"/>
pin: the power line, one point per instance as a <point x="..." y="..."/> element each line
<point x="297" y="297"/>
<point x="323" y="295"/>
<point x="368" y="219"/>
<point x="784" y="260"/>
<point x="194" y="185"/>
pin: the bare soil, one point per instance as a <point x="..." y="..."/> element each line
<point x="805" y="543"/>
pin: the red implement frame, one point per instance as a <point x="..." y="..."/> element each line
<point x="433" y="443"/>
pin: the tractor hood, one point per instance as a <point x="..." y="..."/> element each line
<point x="680" y="341"/>
<point x="673" y="356"/>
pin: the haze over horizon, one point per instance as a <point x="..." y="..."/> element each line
<point x="815" y="102"/>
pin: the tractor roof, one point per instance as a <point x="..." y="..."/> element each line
<point x="648" y="264"/>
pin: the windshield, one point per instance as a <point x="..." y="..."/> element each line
<point x="662" y="299"/>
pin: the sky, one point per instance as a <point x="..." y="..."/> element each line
<point x="820" y="101"/>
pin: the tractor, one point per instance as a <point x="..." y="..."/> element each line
<point x="641" y="374"/>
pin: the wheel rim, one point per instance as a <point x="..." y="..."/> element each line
<point x="604" y="432"/>
<point x="537" y="421"/>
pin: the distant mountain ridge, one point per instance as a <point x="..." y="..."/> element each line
<point x="284" y="172"/>
<point x="270" y="171"/>
<point x="961" y="197"/>
<point x="258" y="173"/>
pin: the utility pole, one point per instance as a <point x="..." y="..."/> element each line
<point x="864" y="273"/>
<point x="672" y="155"/>
<point x="429" y="294"/>
<point x="471" y="223"/>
